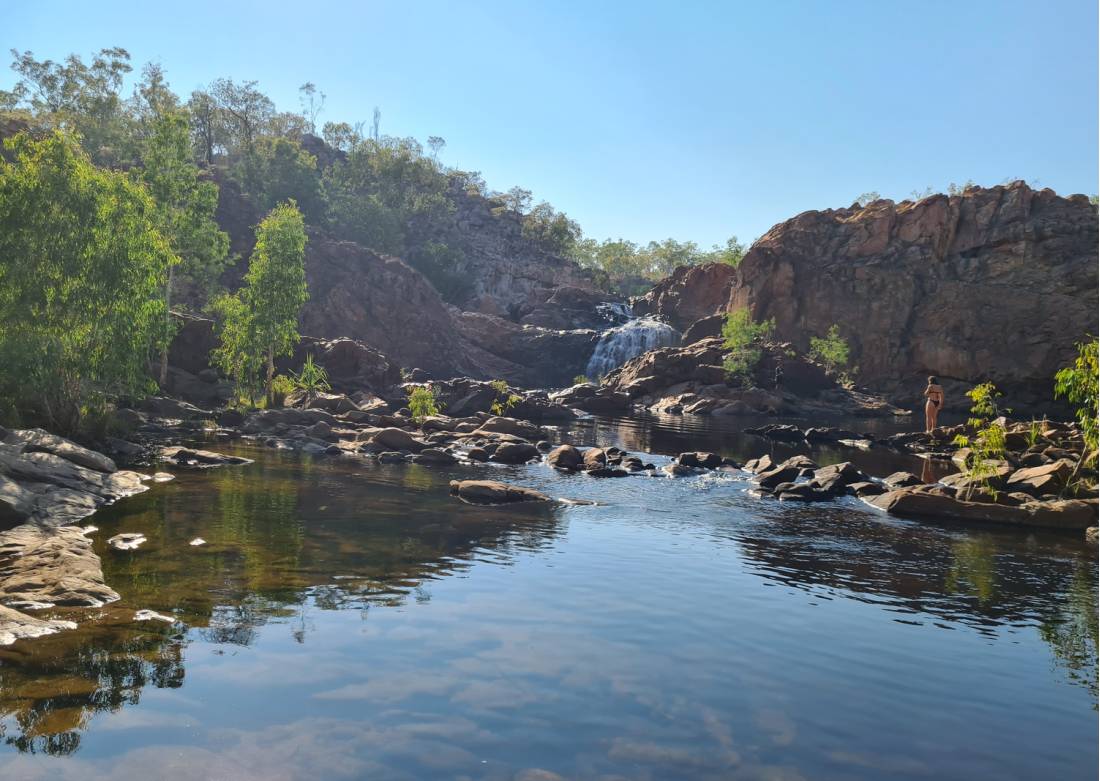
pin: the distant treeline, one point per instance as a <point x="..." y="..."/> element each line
<point x="384" y="192"/>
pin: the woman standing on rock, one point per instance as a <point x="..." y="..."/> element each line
<point x="934" y="393"/>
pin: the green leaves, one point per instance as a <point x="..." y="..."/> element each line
<point x="831" y="351"/>
<point x="742" y="337"/>
<point x="422" y="402"/>
<point x="260" y="322"/>
<point x="1078" y="384"/>
<point x="82" y="274"/>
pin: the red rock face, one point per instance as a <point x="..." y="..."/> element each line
<point x="688" y="294"/>
<point x="994" y="284"/>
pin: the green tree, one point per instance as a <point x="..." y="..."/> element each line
<point x="260" y="322"/>
<point x="868" y="197"/>
<point x="987" y="446"/>
<point x="742" y="337"/>
<point x="83" y="269"/>
<point x="76" y="96"/>
<point x="279" y="170"/>
<point x="185" y="209"/>
<point x="422" y="402"/>
<point x="831" y="351"/>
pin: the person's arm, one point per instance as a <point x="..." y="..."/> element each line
<point x="928" y="390"/>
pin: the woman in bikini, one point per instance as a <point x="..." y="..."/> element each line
<point x="934" y="393"/>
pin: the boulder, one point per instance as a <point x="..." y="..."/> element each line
<point x="396" y="439"/>
<point x="565" y="457"/>
<point x="20" y="626"/>
<point x="700" y="459"/>
<point x="514" y="453"/>
<point x="434" y="455"/>
<point x="607" y="471"/>
<point x="901" y="480"/>
<point x="510" y="426"/>
<point x="1045" y="479"/>
<point x="865" y="488"/>
<point x="594" y="458"/>
<point x="495" y="492"/>
<point x="836" y="477"/>
<point x="477" y="454"/>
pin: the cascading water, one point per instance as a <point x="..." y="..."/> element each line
<point x="629" y="340"/>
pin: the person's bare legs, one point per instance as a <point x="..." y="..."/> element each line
<point x="929" y="416"/>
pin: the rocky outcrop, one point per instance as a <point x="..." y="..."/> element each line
<point x="504" y="272"/>
<point x="691" y="379"/>
<point x="494" y="492"/>
<point x="992" y="284"/>
<point x="690" y="293"/>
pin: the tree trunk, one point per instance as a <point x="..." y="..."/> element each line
<point x="270" y="374"/>
<point x="167" y="327"/>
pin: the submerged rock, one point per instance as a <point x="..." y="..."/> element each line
<point x="127" y="541"/>
<point x="43" y="566"/>
<point x="495" y="492"/>
<point x="199" y="459"/>
<point x="15" y="625"/>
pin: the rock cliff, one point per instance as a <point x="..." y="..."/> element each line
<point x="992" y="284"/>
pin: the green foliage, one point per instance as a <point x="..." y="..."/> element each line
<point x="1078" y="385"/>
<point x="987" y="445"/>
<point x="312" y="379"/>
<point x="630" y="269"/>
<point x="281" y="387"/>
<point x="580" y="379"/>
<point x="742" y="339"/>
<point x="260" y="322"/>
<point x="505" y="399"/>
<point x="868" y="197"/>
<point x="551" y="229"/>
<point x="278" y="170"/>
<point x="831" y="351"/>
<point x="82" y="277"/>
<point x="423" y="402"/>
<point x="76" y="97"/>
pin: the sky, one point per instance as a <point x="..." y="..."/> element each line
<point x="646" y="120"/>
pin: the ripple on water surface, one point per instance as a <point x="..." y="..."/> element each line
<point x="351" y="620"/>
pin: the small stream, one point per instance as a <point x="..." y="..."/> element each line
<point x="351" y="620"/>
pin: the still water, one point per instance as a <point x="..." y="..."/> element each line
<point x="348" y="620"/>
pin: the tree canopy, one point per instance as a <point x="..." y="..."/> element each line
<point x="83" y="309"/>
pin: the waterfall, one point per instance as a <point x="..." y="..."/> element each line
<point x="629" y="340"/>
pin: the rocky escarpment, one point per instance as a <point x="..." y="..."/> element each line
<point x="384" y="303"/>
<point x="992" y="284"/>
<point x="504" y="272"/>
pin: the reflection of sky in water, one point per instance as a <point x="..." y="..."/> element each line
<point x="355" y="622"/>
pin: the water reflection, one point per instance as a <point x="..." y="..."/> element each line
<point x="361" y="617"/>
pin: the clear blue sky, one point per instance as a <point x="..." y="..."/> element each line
<point x="644" y="120"/>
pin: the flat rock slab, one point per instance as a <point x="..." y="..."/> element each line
<point x="199" y="459"/>
<point x="19" y="626"/>
<point x="1072" y="514"/>
<point x="42" y="566"/>
<point x="495" y="492"/>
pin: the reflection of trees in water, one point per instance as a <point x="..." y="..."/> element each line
<point x="283" y="537"/>
<point x="50" y="693"/>
<point x="1074" y="633"/>
<point x="973" y="570"/>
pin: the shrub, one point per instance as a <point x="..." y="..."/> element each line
<point x="423" y="402"/>
<point x="505" y="399"/>
<point x="281" y="387"/>
<point x="1078" y="384"/>
<point x="580" y="379"/>
<point x="742" y="338"/>
<point x="312" y="379"/>
<point x="987" y="446"/>
<point x="831" y="351"/>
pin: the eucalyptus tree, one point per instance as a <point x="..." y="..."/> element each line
<point x="82" y="273"/>
<point x="260" y="322"/>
